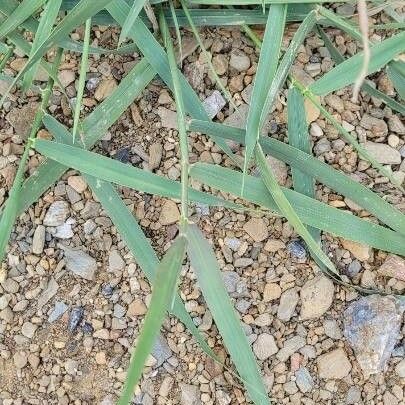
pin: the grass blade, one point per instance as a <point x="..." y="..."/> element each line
<point x="397" y="75"/>
<point x="45" y="26"/>
<point x="312" y="212"/>
<point x="209" y="278"/>
<point x="136" y="7"/>
<point x="120" y="173"/>
<point x="332" y="178"/>
<point x="266" y="70"/>
<point x="162" y="294"/>
<point x="82" y="78"/>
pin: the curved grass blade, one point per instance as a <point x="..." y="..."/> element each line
<point x="205" y="265"/>
<point x="266" y="70"/>
<point x="134" y="11"/>
<point x="298" y="137"/>
<point x="46" y="23"/>
<point x="397" y="75"/>
<point x="24" y="10"/>
<point x="120" y="173"/>
<point x="312" y="212"/>
<point x="82" y="78"/>
<point x="332" y="178"/>
<point x="381" y="54"/>
<point x="177" y="28"/>
<point x="163" y="291"/>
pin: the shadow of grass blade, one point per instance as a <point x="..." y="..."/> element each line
<point x="120" y="173"/>
<point x="24" y="10"/>
<point x="381" y="54"/>
<point x="209" y="278"/>
<point x="324" y="173"/>
<point x="164" y="288"/>
<point x="266" y="69"/>
<point x="312" y="212"/>
<point x="288" y="211"/>
<point x="136" y="7"/>
<point x="298" y="137"/>
<point x="45" y="26"/>
<point x="77" y="16"/>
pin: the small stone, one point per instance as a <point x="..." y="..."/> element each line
<point x="28" y="329"/>
<point x="377" y="126"/>
<point x="358" y="250"/>
<point x="38" y="240"/>
<point x="168" y="118"/>
<point x="21" y="119"/>
<point x="372" y="327"/>
<point x="394" y="266"/>
<point x="334" y="365"/>
<point x="233" y="243"/>
<point x="288" y="302"/>
<point x="231" y="280"/>
<point x="161" y="351"/>
<point x="155" y="155"/>
<point x="136" y="308"/>
<point x="164" y="97"/>
<point x="64" y="231"/>
<point x="75" y="318"/>
<point x="272" y="291"/>
<point x="66" y="77"/>
<point x="297" y="250"/>
<point x="243" y="262"/>
<point x="4" y="300"/>
<point x="312" y="112"/>
<point x="50" y="291"/>
<point x="239" y="61"/>
<point x="77" y="183"/>
<point x="335" y="102"/>
<point x="222" y="397"/>
<point x="115" y="261"/>
<point x="105" y="89"/>
<point x="316" y="297"/>
<point x="279" y="169"/>
<point x="322" y="146"/>
<point x="214" y="103"/>
<point x="136" y="115"/>
<point x="400" y="368"/>
<point x="332" y="329"/>
<point x="57" y="213"/>
<point x="257" y="229"/>
<point x="265" y="346"/>
<point x="169" y="214"/>
<point x="304" y="380"/>
<point x="353" y="268"/>
<point x="80" y="263"/>
<point x="20" y="360"/>
<point x="189" y="395"/>
<point x="290" y="346"/>
<point x="396" y="125"/>
<point x="274" y="245"/>
<point x="353" y="396"/>
<point x="383" y="153"/>
<point x="220" y="64"/>
<point x="71" y="366"/>
<point x="393" y="141"/>
<point x="58" y="310"/>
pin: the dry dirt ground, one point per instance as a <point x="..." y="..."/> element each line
<point x="68" y="318"/>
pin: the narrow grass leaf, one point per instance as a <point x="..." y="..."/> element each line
<point x="120" y="173"/>
<point x="45" y="26"/>
<point x="209" y="278"/>
<point x="24" y="10"/>
<point x="136" y="7"/>
<point x="163" y="290"/>
<point x="265" y="74"/>
<point x="397" y="76"/>
<point x="381" y="54"/>
<point x="312" y="212"/>
<point x="324" y="173"/>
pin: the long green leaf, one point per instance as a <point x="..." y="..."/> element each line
<point x="266" y="70"/>
<point x="381" y="54"/>
<point x="312" y="212"/>
<point x="24" y="10"/>
<point x="209" y="278"/>
<point x="120" y="173"/>
<point x="397" y="75"/>
<point x="162" y="294"/>
<point x="136" y="7"/>
<point x="45" y="26"/>
<point x="332" y="178"/>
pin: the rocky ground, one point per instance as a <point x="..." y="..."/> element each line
<point x="73" y="299"/>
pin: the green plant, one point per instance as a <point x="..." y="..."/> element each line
<point x="307" y="215"/>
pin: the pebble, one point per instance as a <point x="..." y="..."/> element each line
<point x="265" y="346"/>
<point x="243" y="262"/>
<point x="400" y="368"/>
<point x="304" y="380"/>
<point x="21" y="119"/>
<point x="75" y="317"/>
<point x="38" y="240"/>
<point x="272" y="291"/>
<point x="220" y="63"/>
<point x="214" y="103"/>
<point x="66" y="77"/>
<point x="288" y="302"/>
<point x="353" y="395"/>
<point x="372" y="327"/>
<point x="297" y="250"/>
<point x="65" y="230"/>
<point x="77" y="183"/>
<point x="20" y="360"/>
<point x="161" y="351"/>
<point x="28" y="329"/>
<point x="333" y="365"/>
<point x="336" y="102"/>
<point x="123" y="155"/>
<point x="316" y="297"/>
<point x="279" y="169"/>
<point x="290" y="346"/>
<point x="80" y="263"/>
<point x="136" y="308"/>
<point x="169" y="214"/>
<point x="4" y="300"/>
<point x="115" y="261"/>
<point x="332" y="329"/>
<point x="49" y="292"/>
<point x="233" y="243"/>
<point x="167" y="117"/>
<point x="231" y="280"/>
<point x="256" y="228"/>
<point x="105" y="89"/>
<point x="155" y="155"/>
<point x="377" y="126"/>
<point x="58" y="310"/>
<point x="57" y="213"/>
<point x="353" y="268"/>
<point x="360" y="251"/>
<point x="189" y="394"/>
<point x="383" y="153"/>
<point x="274" y="245"/>
<point x="396" y="125"/>
<point x="239" y="61"/>
<point x="393" y="266"/>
